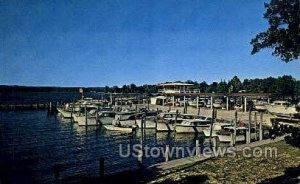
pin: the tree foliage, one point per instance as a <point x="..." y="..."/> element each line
<point x="283" y="34"/>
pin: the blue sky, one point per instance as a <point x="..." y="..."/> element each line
<point x="116" y="42"/>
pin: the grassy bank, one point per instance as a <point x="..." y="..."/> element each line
<point x="239" y="169"/>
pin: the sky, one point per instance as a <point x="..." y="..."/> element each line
<point x="115" y="42"/>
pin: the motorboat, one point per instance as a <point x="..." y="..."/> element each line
<point x="106" y="117"/>
<point x="150" y="119"/>
<point x="166" y="121"/>
<point x="120" y="128"/>
<point x="283" y="109"/>
<point x="192" y="126"/>
<point x="218" y="103"/>
<point x="260" y="105"/>
<point x="127" y="119"/>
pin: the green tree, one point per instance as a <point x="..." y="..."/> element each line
<point x="235" y="84"/>
<point x="283" y="34"/>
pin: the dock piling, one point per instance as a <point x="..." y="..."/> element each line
<point x="167" y="153"/>
<point x="260" y="127"/>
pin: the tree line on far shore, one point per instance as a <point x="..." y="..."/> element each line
<point x="285" y="86"/>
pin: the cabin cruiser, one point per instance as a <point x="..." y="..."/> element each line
<point x="166" y="121"/>
<point x="260" y="105"/>
<point x="225" y="135"/>
<point x="88" y="118"/>
<point x="217" y="126"/>
<point x="68" y="110"/>
<point x="126" y="119"/>
<point x="106" y="117"/>
<point x="192" y="126"/>
<point x="283" y="109"/>
<point x="120" y="128"/>
<point x="218" y="103"/>
<point x="150" y="118"/>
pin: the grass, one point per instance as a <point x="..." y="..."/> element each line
<point x="238" y="169"/>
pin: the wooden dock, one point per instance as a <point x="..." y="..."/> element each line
<point x="179" y="163"/>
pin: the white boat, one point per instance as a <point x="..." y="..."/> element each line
<point x="127" y="119"/>
<point x="260" y="105"/>
<point x="82" y="121"/>
<point x="283" y="109"/>
<point x="65" y="113"/>
<point x="166" y="122"/>
<point x="217" y="103"/>
<point x="224" y="135"/>
<point x="151" y="117"/>
<point x="216" y="128"/>
<point x="106" y="117"/>
<point x="192" y="126"/>
<point x="121" y="129"/>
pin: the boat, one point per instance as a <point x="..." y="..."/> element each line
<point x="217" y="126"/>
<point x="120" y="128"/>
<point x="166" y="121"/>
<point x="283" y="109"/>
<point x="106" y="117"/>
<point x="127" y="119"/>
<point x="224" y="135"/>
<point x="218" y="103"/>
<point x="260" y="105"/>
<point x="192" y="126"/>
<point x="150" y="117"/>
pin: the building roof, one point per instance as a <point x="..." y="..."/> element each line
<point x="175" y="84"/>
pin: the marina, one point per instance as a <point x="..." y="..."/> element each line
<point x="95" y="125"/>
<point x="156" y="92"/>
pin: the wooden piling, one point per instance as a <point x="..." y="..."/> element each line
<point x="85" y="112"/>
<point x="211" y="124"/>
<point x="197" y="148"/>
<point x="234" y="129"/>
<point x="198" y="108"/>
<point x="248" y="134"/>
<point x="50" y="107"/>
<point x="260" y="127"/>
<point x="255" y="127"/>
<point x="167" y="153"/>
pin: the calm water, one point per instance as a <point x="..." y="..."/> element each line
<point x="32" y="143"/>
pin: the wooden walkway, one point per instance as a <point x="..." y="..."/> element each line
<point x="193" y="160"/>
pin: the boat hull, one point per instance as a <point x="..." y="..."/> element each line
<point x="190" y="129"/>
<point x="120" y="129"/>
<point x="165" y="127"/>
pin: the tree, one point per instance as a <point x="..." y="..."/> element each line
<point x="283" y="35"/>
<point x="235" y="84"/>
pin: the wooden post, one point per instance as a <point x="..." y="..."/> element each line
<point x="211" y="124"/>
<point x="255" y="127"/>
<point x="227" y="103"/>
<point x="231" y="139"/>
<point x="211" y="102"/>
<point x="249" y="128"/>
<point x="167" y="153"/>
<point x="173" y="100"/>
<point x="97" y="117"/>
<point x="234" y="128"/>
<point x="260" y="127"/>
<point x="198" y="108"/>
<point x="72" y="108"/>
<point x="101" y="167"/>
<point x="184" y="104"/>
<point x="85" y="112"/>
<point x="245" y="104"/>
<point x="197" y="148"/>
